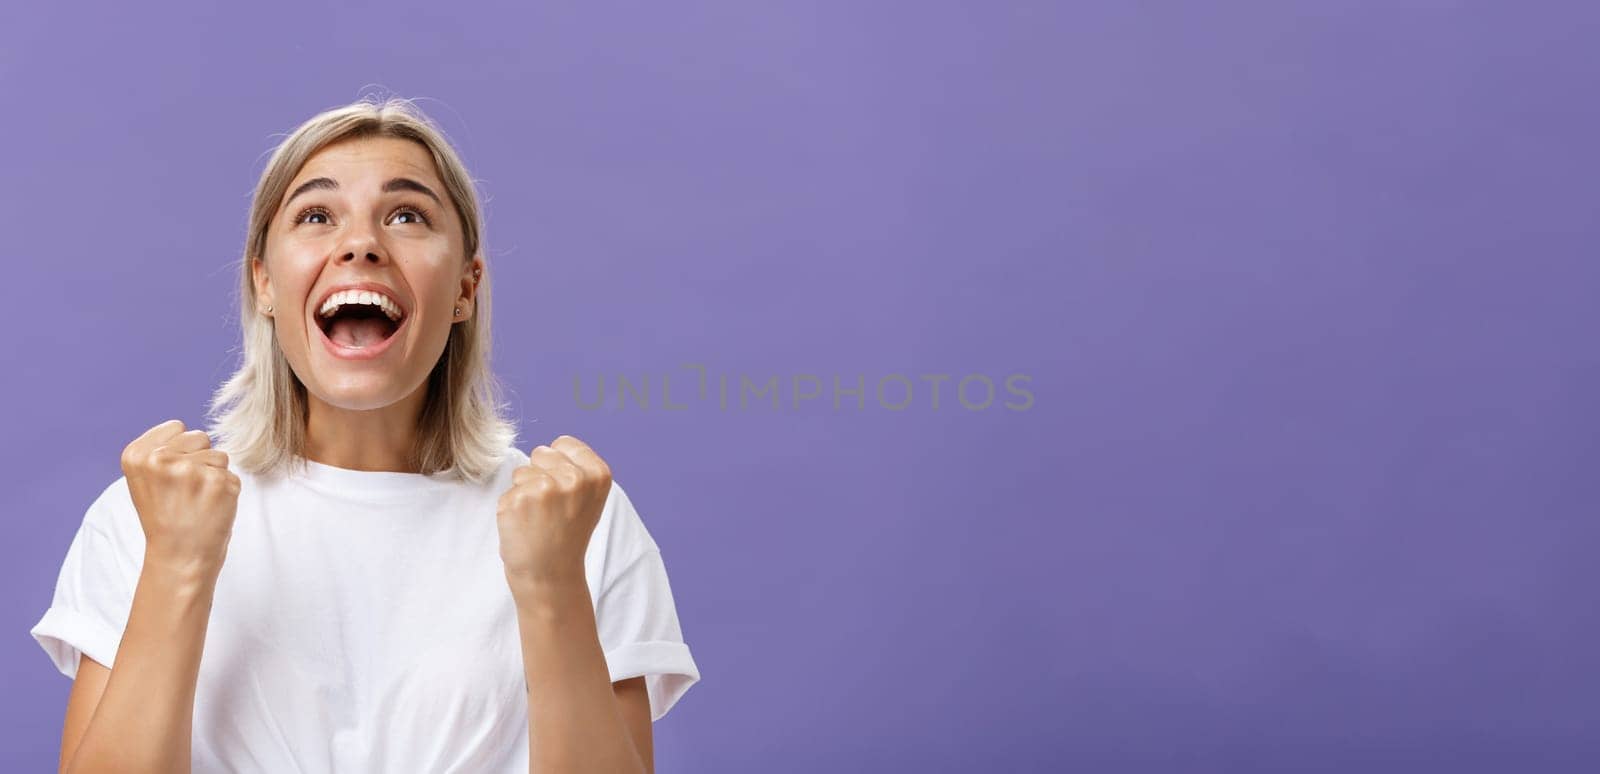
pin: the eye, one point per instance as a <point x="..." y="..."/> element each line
<point x="310" y="212"/>
<point x="418" y="213"/>
<point x="414" y="211"/>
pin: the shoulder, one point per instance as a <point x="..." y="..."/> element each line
<point x="113" y="504"/>
<point x="621" y="532"/>
<point x="112" y="513"/>
<point x="514" y="458"/>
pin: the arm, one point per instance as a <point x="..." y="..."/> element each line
<point x="142" y="720"/>
<point x="88" y="686"/>
<point x="577" y="721"/>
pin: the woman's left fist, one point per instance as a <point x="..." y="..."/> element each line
<point x="551" y="509"/>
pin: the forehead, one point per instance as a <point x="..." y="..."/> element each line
<point x="367" y="161"/>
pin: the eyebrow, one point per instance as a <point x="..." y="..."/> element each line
<point x="393" y="184"/>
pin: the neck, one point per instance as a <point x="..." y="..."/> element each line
<point x="380" y="439"/>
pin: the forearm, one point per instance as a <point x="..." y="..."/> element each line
<point x="574" y="721"/>
<point x="145" y="717"/>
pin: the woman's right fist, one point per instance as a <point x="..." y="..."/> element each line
<point x="185" y="495"/>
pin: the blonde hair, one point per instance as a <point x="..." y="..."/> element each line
<point x="259" y="413"/>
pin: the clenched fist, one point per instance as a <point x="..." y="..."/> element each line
<point x="551" y="509"/>
<point x="185" y="495"/>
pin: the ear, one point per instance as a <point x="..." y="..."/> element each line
<point x="471" y="277"/>
<point x="263" y="284"/>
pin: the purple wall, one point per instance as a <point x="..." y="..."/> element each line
<point x="1304" y="292"/>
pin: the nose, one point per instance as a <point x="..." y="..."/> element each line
<point x="359" y="246"/>
<point x="371" y="256"/>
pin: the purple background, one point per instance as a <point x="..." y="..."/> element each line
<point x="1305" y="292"/>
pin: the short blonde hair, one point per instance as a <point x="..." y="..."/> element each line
<point x="259" y="413"/>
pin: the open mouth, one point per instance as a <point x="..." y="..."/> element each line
<point x="359" y="325"/>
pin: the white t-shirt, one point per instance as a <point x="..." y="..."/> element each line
<point x="362" y="622"/>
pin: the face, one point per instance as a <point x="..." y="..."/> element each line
<point x="377" y="213"/>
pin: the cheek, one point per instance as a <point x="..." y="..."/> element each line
<point x="434" y="280"/>
<point x="292" y="276"/>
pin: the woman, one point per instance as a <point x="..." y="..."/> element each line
<point x="365" y="573"/>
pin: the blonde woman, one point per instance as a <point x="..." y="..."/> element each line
<point x="363" y="573"/>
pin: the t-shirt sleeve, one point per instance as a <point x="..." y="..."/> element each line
<point x="634" y="611"/>
<point x="94" y="590"/>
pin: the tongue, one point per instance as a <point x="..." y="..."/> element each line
<point x="358" y="332"/>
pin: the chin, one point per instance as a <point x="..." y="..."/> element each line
<point x="359" y="392"/>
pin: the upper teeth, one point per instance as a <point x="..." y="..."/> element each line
<point x="343" y="297"/>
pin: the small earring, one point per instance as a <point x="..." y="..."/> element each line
<point x="458" y="311"/>
<point x="269" y="309"/>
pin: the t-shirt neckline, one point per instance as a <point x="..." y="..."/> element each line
<point x="369" y="481"/>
